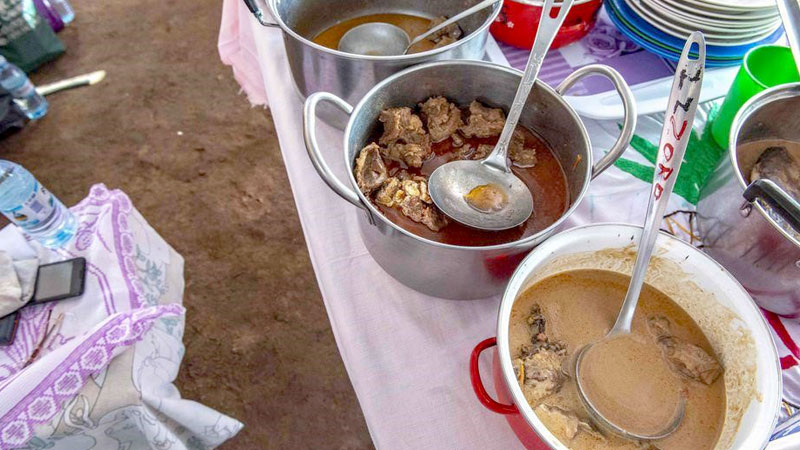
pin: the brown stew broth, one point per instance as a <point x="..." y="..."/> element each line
<point x="546" y="180"/>
<point x="579" y="307"/>
<point x="412" y="25"/>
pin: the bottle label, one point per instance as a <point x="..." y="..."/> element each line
<point x="35" y="210"/>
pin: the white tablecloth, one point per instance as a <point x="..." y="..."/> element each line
<point x="406" y="353"/>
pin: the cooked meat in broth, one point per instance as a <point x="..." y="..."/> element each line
<point x="412" y="143"/>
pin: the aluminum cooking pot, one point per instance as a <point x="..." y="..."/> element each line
<point x="763" y="255"/>
<point x="723" y="310"/>
<point x="452" y="271"/>
<point x="316" y="68"/>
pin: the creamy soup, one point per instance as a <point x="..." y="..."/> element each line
<point x="560" y="314"/>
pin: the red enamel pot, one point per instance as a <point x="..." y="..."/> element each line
<point x="519" y="19"/>
<point x="753" y="399"/>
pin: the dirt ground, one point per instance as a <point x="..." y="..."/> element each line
<point x="169" y="127"/>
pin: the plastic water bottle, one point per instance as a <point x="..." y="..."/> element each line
<point x="63" y="9"/>
<point x="14" y="80"/>
<point x="33" y="208"/>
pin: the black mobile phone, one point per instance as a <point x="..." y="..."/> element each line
<point x="8" y="328"/>
<point x="60" y="280"/>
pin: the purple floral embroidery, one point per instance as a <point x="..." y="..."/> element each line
<point x="88" y="358"/>
<point x="605" y="41"/>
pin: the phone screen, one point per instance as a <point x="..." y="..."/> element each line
<point x="59" y="280"/>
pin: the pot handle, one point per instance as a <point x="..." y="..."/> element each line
<point x="477" y="384"/>
<point x="254" y="8"/>
<point x="628" y="104"/>
<point x="780" y="201"/>
<point x="314" y="153"/>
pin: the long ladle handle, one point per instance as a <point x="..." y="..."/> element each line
<point x="675" y="135"/>
<point x="548" y="28"/>
<point x="790" y="15"/>
<point x="466" y="13"/>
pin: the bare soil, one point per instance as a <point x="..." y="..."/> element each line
<point x="170" y="128"/>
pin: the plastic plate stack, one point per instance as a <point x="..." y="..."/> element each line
<point x="731" y="27"/>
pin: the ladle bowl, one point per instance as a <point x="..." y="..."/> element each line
<point x="375" y="39"/>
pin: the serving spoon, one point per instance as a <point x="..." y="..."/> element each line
<point x="675" y="135"/>
<point x="486" y="194"/>
<point x="385" y="39"/>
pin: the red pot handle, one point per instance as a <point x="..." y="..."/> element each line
<point x="475" y="376"/>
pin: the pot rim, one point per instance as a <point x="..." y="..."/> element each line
<point x="757" y="102"/>
<point x="515" y="286"/>
<point x="513" y="244"/>
<point x="410" y="59"/>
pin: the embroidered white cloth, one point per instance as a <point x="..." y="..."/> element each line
<point x="96" y="372"/>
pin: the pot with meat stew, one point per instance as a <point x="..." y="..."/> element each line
<point x="696" y="330"/>
<point x="425" y="116"/>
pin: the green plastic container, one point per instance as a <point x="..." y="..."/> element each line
<point x="763" y="67"/>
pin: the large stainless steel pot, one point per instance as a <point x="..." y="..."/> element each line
<point x="451" y="271"/>
<point x="726" y="314"/>
<point x="743" y="236"/>
<point x="316" y="68"/>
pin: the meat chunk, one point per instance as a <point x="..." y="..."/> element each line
<point x="412" y="155"/>
<point x="410" y="194"/>
<point x="442" y="118"/>
<point x="683" y="358"/>
<point x="539" y="370"/>
<point x="404" y="136"/>
<point x="659" y="326"/>
<point x="370" y="170"/>
<point x="418" y="211"/>
<point x="690" y="360"/>
<point x="519" y="154"/>
<point x="483" y="121"/>
<point x="446" y="35"/>
<point x="482" y="151"/>
<point x="780" y="166"/>
<point x="458" y="140"/>
<point x="538" y="325"/>
<point x="567" y="422"/>
<point x="391" y="193"/>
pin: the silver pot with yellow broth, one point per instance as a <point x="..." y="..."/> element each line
<point x="312" y="28"/>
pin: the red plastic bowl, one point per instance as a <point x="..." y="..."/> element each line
<point x="519" y="19"/>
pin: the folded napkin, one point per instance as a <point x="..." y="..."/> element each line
<point x="17" y="280"/>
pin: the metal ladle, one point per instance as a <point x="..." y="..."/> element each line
<point x="451" y="183"/>
<point x="384" y="39"/>
<point x="675" y="135"/>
